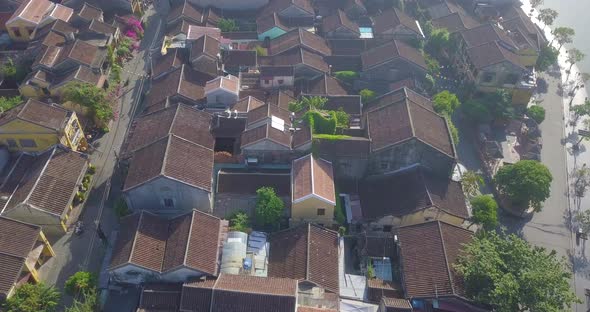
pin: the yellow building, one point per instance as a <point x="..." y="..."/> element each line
<point x="23" y="251"/>
<point x="312" y="191"/>
<point x="35" y="126"/>
<point x="32" y="14"/>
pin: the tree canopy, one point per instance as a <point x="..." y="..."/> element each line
<point x="564" y="35"/>
<point x="547" y="57"/>
<point x="509" y="274"/>
<point x="438" y="41"/>
<point x="471" y="181"/>
<point x="574" y="56"/>
<point x="526" y="183"/>
<point x="308" y="102"/>
<point x="33" y="298"/>
<point x="445" y="102"/>
<point x="7" y="103"/>
<point x="227" y="25"/>
<point x="80" y="282"/>
<point x="537" y="113"/>
<point x="269" y="207"/>
<point x="92" y="97"/>
<point x="548" y="16"/>
<point x="239" y="222"/>
<point x="485" y="211"/>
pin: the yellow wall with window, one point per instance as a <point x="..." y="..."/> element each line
<point x="307" y="211"/>
<point x="20" y="30"/>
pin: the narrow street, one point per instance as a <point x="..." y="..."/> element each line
<point x="86" y="251"/>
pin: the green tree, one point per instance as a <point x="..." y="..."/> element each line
<point x="90" y="96"/>
<point x="454" y="132"/>
<point x="526" y="183"/>
<point x="308" y="102"/>
<point x="342" y="118"/>
<point x="536" y="3"/>
<point x="509" y="274"/>
<point x="574" y="56"/>
<point x="500" y="105"/>
<point x="269" y="207"/>
<point x="240" y="222"/>
<point x="445" y="102"/>
<point x="471" y="182"/>
<point x="438" y="41"/>
<point x="563" y="35"/>
<point x="580" y="111"/>
<point x="227" y="25"/>
<point x="347" y="76"/>
<point x="88" y="303"/>
<point x="537" y="113"/>
<point x="547" y="16"/>
<point x="33" y="298"/>
<point x="547" y="57"/>
<point x="485" y="211"/>
<point x="79" y="283"/>
<point x="7" y="103"/>
<point x="581" y="180"/>
<point x="367" y="95"/>
<point x="583" y="220"/>
<point x="8" y="69"/>
<point x="477" y="111"/>
<point x="432" y="65"/>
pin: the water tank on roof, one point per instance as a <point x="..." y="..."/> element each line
<point x="234" y="252"/>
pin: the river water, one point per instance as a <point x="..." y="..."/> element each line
<point x="574" y="14"/>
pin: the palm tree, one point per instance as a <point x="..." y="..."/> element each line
<point x="471" y="182"/>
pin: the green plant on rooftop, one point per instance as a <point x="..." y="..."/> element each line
<point x="563" y="35"/>
<point x="438" y="41"/>
<point x="269" y="208"/>
<point x="347" y="76"/>
<point x="121" y="208"/>
<point x="471" y="182"/>
<point x="260" y="51"/>
<point x="331" y="137"/>
<point x="432" y="65"/>
<point x="509" y="274"/>
<point x="367" y="95"/>
<point x="454" y="132"/>
<point x="308" y="102"/>
<point x="33" y="298"/>
<point x="227" y="25"/>
<point x="445" y="102"/>
<point x="92" y="97"/>
<point x="88" y="302"/>
<point x="240" y="222"/>
<point x="7" y="103"/>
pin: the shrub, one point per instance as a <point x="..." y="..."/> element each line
<point x="227" y="25"/>
<point x="269" y="208"/>
<point x="33" y="298"/>
<point x="485" y="211"/>
<point x="260" y="51"/>
<point x="347" y="76"/>
<point x="526" y="183"/>
<point x="320" y="124"/>
<point x="445" y="102"/>
<point x="367" y="95"/>
<point x="10" y="102"/>
<point x="79" y="283"/>
<point x="477" y="111"/>
<point x="342" y="118"/>
<point x="91" y="169"/>
<point x="121" y="208"/>
<point x="239" y="222"/>
<point x="454" y="132"/>
<point x="432" y="65"/>
<point x="547" y="57"/>
<point x="537" y="113"/>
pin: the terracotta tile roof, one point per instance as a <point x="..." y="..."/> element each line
<point x="183" y="81"/>
<point x="266" y="131"/>
<point x="181" y="27"/>
<point x="247" y="104"/>
<point x="236" y="58"/>
<point x="300" y="56"/>
<point x="307" y="252"/>
<point x="339" y="20"/>
<point x="229" y="83"/>
<point x="89" y="12"/>
<point x="196" y="296"/>
<point x="17" y="238"/>
<point x="302" y="136"/>
<point x="313" y="177"/>
<point x="280" y="5"/>
<point x="328" y="85"/>
<point x="390" y="51"/>
<point x="428" y="252"/>
<point x="195" y="32"/>
<point x="484" y="34"/>
<point x="455" y="22"/>
<point x="354" y="146"/>
<point x="46" y="115"/>
<point x="53" y="38"/>
<point x="390" y="19"/>
<point x="172" y="157"/>
<point x="266" y="112"/>
<point x="159" y="297"/>
<point x="378" y="289"/>
<point x="269" y="21"/>
<point x="187" y="11"/>
<point x="396" y="305"/>
<point x="299" y="38"/>
<point x="281" y="98"/>
<point x="399" y="121"/>
<point x="248" y="182"/>
<point x="205" y="45"/>
<point x="377" y="246"/>
<point x="192" y="240"/>
<point x="351" y="104"/>
<point x="172" y="60"/>
<point x="62" y="12"/>
<point x="32" y="10"/>
<point x="275" y="71"/>
<point x="82" y="52"/>
<point x="48" y="56"/>
<point x="47" y="182"/>
<point x="240" y="293"/>
<point x="12" y="267"/>
<point x="492" y="53"/>
<point x="410" y="191"/>
<point x="181" y="120"/>
<point x="102" y="28"/>
<point x="81" y="74"/>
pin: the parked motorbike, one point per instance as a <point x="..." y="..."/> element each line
<point x="79" y="228"/>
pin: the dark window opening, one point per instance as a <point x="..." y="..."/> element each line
<point x="225" y="145"/>
<point x="27" y="143"/>
<point x="321" y="212"/>
<point x="168" y="203"/>
<point x="11" y="142"/>
<point x="387" y="228"/>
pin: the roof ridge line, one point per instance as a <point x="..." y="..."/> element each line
<point x="40" y="175"/>
<point x="307" y="251"/>
<point x="188" y="241"/>
<point x="442" y="241"/>
<point x="168" y="143"/>
<point x="135" y="236"/>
